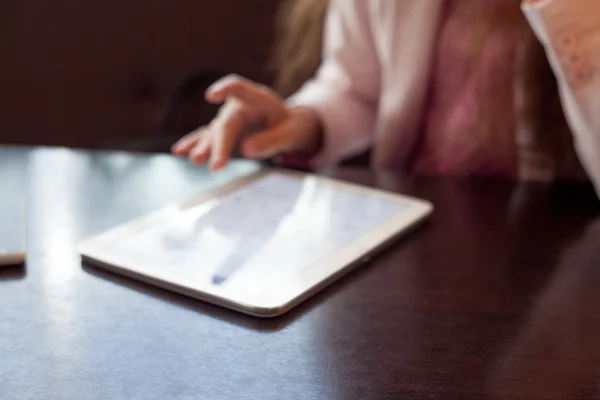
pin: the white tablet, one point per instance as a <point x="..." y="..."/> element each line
<point x="260" y="245"/>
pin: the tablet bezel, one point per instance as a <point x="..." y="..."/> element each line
<point x="289" y="293"/>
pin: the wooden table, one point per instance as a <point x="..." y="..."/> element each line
<point x="498" y="297"/>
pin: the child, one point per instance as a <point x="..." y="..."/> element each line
<point x="434" y="86"/>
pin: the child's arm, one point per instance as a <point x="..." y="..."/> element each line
<point x="346" y="89"/>
<point x="570" y="33"/>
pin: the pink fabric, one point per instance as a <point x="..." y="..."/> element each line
<point x="462" y="135"/>
<point x="387" y="81"/>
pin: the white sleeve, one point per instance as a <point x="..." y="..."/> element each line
<point x="570" y="33"/>
<point x="345" y="90"/>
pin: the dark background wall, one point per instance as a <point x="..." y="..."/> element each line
<point x="101" y="73"/>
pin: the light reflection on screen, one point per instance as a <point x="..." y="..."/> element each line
<point x="259" y="234"/>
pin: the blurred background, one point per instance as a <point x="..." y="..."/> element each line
<point x="124" y="74"/>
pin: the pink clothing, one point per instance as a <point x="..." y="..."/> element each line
<point x="459" y="136"/>
<point x="380" y="59"/>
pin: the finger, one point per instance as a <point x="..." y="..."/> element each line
<point x="199" y="153"/>
<point x="226" y="129"/>
<point x="270" y="142"/>
<point x="187" y="143"/>
<point x="260" y="98"/>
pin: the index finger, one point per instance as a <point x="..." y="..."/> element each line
<point x="226" y="128"/>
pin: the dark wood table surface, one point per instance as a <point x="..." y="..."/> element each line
<point x="497" y="297"/>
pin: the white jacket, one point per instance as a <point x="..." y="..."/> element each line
<point x="377" y="55"/>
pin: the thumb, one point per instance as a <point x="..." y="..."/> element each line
<point x="270" y="142"/>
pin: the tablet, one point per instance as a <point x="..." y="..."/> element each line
<point x="260" y="245"/>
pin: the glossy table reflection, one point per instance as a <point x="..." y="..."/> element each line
<point x="497" y="297"/>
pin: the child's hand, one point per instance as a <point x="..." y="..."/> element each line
<point x="246" y="104"/>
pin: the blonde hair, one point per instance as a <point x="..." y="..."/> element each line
<point x="300" y="40"/>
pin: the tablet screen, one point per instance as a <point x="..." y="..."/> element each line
<point x="258" y="234"/>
